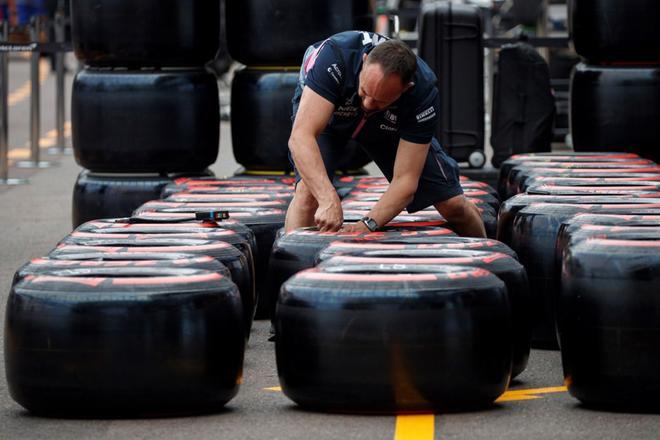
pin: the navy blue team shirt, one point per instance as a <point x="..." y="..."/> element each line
<point x="331" y="68"/>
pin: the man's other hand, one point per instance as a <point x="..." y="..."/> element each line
<point x="329" y="216"/>
<point x="355" y="227"/>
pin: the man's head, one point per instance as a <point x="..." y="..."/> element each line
<point x="387" y="72"/>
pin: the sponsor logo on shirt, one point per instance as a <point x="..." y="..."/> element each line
<point x="346" y="111"/>
<point x="375" y="39"/>
<point x="332" y="74"/>
<point x="387" y="127"/>
<point x="391" y="117"/>
<point x="427" y="114"/>
<point x="336" y="69"/>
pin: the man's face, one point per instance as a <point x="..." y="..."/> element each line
<point x="378" y="91"/>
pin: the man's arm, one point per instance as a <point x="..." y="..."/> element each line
<point x="408" y="166"/>
<point x="312" y="117"/>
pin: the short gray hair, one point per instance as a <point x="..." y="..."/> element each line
<point x="394" y="57"/>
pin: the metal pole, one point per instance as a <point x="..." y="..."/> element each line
<point x="542" y="28"/>
<point x="35" y="109"/>
<point x="60" y="31"/>
<point x="4" y="113"/>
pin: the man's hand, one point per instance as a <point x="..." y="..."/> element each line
<point x="356" y="227"/>
<point x="329" y="216"/>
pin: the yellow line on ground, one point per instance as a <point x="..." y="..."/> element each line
<point x="415" y="427"/>
<point x="422" y="427"/>
<point x="529" y="394"/>
<point x="24" y="90"/>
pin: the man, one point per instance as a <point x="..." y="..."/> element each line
<point x="361" y="86"/>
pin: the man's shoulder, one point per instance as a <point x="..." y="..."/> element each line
<point x="425" y="75"/>
<point x="425" y="89"/>
<point x="352" y="40"/>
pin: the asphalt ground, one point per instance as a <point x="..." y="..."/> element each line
<point x="34" y="217"/>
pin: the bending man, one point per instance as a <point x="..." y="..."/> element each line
<point x="360" y="86"/>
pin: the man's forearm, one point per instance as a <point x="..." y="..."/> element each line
<point x="393" y="201"/>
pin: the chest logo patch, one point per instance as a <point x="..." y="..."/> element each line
<point x="391" y="117"/>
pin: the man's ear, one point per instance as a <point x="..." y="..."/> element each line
<point x="364" y="57"/>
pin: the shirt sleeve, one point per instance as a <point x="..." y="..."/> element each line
<point x="419" y="125"/>
<point x="325" y="72"/>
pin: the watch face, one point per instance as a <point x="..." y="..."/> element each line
<point x="370" y="223"/>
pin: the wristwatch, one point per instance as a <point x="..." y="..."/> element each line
<point x="370" y="223"/>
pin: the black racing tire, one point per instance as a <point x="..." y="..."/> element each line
<point x="225" y="253"/>
<point x="551" y="190"/>
<point x="124" y="342"/>
<point x="465" y="184"/>
<point x="119" y="260"/>
<point x="632" y="174"/>
<point x="348" y="336"/>
<point x="355" y="211"/>
<point x="345" y="185"/>
<point x="506" y="268"/>
<point x="600" y="188"/>
<point x="586" y="179"/>
<point x="263" y="223"/>
<point x="172" y="189"/>
<point x="240" y="239"/>
<point x="615" y="106"/>
<point x="278" y="33"/>
<point x="152" y="33"/>
<point x="297" y="250"/>
<point x="421" y="240"/>
<point x="118" y="228"/>
<point x="483" y="196"/>
<point x="479" y="196"/>
<point x="520" y="173"/>
<point x="111" y="130"/>
<point x="113" y="195"/>
<point x="170" y="222"/>
<point x="608" y="321"/>
<point x="232" y="208"/>
<point x="490" y="223"/>
<point x="261" y="117"/>
<point x="545" y="158"/>
<point x="483" y="186"/>
<point x="644" y="230"/>
<point x="242" y="177"/>
<point x="511" y="207"/>
<point x="410" y="221"/>
<point x="607" y="31"/>
<point x="575" y="224"/>
<point x="271" y="199"/>
<point x="534" y="236"/>
<point x="232" y="183"/>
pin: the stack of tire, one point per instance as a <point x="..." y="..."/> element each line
<point x="614" y="93"/>
<point x="574" y="197"/>
<point x="270" y="39"/>
<point x="151" y="312"/>
<point x="257" y="205"/>
<point x="128" y="319"/>
<point x="357" y="315"/>
<point x="608" y="309"/>
<point x="143" y="108"/>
